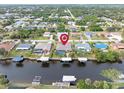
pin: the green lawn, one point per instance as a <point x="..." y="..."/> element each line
<point x="27" y="53"/>
<point x="111" y="73"/>
<point x="121" y="53"/>
<point x="42" y="86"/>
<point x="84" y="54"/>
<point x="117" y="85"/>
<point x="57" y="56"/>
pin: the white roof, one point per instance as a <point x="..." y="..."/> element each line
<point x="68" y="78"/>
<point x="82" y="59"/>
<point x="66" y="59"/>
<point x="44" y="59"/>
<point x="116" y="36"/>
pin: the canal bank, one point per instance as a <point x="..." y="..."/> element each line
<point x="55" y="70"/>
<point x="55" y="59"/>
<point x="24" y="85"/>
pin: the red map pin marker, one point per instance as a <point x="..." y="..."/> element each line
<point x="64" y="38"/>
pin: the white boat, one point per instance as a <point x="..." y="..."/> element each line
<point x="69" y="78"/>
<point x="121" y="76"/>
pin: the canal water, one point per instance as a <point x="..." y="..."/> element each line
<point x="55" y="70"/>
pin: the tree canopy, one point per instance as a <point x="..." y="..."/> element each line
<point x="88" y="84"/>
<point x="110" y="56"/>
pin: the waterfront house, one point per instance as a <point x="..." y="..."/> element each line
<point x="7" y="46"/>
<point x="61" y="49"/>
<point x="43" y="48"/>
<point x="116" y="46"/>
<point x="83" y="46"/>
<point x="66" y="47"/>
<point x="101" y="45"/>
<point x="23" y="47"/>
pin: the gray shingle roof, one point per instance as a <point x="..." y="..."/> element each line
<point x="43" y="46"/>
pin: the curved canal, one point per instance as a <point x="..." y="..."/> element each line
<point x="55" y="70"/>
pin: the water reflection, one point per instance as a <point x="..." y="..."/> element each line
<point x="19" y="64"/>
<point x="6" y="63"/>
<point x="45" y="64"/>
<point x="81" y="64"/>
<point x="66" y="65"/>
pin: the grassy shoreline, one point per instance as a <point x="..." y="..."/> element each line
<point x="41" y="86"/>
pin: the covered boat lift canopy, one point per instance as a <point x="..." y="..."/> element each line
<point x="66" y="59"/>
<point x="44" y="59"/>
<point x="17" y="59"/>
<point x="82" y="59"/>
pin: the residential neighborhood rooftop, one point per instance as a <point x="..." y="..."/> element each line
<point x="66" y="47"/>
<point x="23" y="47"/>
<point x="7" y="45"/>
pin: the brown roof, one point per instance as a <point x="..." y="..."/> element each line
<point x="118" y="45"/>
<point x="7" y="46"/>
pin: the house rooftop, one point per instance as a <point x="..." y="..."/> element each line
<point x="118" y="45"/>
<point x="83" y="45"/>
<point x="66" y="47"/>
<point x="23" y="46"/>
<point x="43" y="46"/>
<point x="7" y="45"/>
